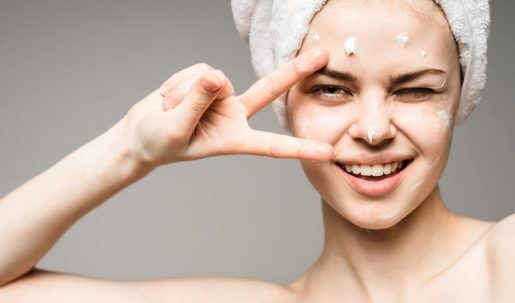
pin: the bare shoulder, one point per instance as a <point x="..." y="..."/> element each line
<point x="501" y="253"/>
<point x="501" y="238"/>
<point x="45" y="286"/>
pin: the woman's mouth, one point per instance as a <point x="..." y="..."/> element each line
<point x="374" y="180"/>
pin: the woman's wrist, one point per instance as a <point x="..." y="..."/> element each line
<point x="118" y="153"/>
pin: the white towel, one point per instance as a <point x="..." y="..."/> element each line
<point x="274" y="30"/>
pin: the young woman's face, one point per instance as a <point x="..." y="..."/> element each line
<point x="386" y="103"/>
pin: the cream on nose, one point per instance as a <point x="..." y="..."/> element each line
<point x="371" y="134"/>
<point x="372" y="122"/>
<point x="375" y="133"/>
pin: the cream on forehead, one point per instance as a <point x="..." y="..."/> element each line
<point x="402" y="39"/>
<point x="350" y="45"/>
<point x="316" y="37"/>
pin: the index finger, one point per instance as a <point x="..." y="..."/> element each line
<point x="278" y="82"/>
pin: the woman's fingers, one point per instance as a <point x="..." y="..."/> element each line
<point x="177" y="93"/>
<point x="198" y="99"/>
<point x="268" y="144"/>
<point x="179" y="77"/>
<point x="278" y="82"/>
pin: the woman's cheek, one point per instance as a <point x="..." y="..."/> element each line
<point x="428" y="125"/>
<point x="321" y="123"/>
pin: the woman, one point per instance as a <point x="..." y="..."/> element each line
<point x="373" y="123"/>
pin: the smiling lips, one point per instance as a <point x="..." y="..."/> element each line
<point x="375" y="170"/>
<point x="374" y="179"/>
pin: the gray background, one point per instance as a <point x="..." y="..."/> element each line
<point x="69" y="69"/>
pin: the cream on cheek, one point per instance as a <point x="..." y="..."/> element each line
<point x="424" y="122"/>
<point x="441" y="116"/>
<point x="444" y="120"/>
<point x="428" y="127"/>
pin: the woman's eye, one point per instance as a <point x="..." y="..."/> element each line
<point x="330" y="92"/>
<point x="416" y="92"/>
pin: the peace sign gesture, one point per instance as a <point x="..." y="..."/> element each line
<point x="200" y="116"/>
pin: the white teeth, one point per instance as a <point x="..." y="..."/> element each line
<point x="366" y="170"/>
<point x="356" y="169"/>
<point x="387" y="169"/>
<point x="376" y="170"/>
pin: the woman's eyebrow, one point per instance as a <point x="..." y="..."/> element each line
<point x="403" y="78"/>
<point x="394" y="80"/>
<point x="340" y="75"/>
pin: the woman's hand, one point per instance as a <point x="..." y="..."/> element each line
<point x="201" y="117"/>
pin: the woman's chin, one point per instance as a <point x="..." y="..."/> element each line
<point x="374" y="215"/>
<point x="376" y="223"/>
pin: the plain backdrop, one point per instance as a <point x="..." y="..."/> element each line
<point x="69" y="69"/>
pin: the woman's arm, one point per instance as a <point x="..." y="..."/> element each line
<point x="35" y="215"/>
<point x="199" y="117"/>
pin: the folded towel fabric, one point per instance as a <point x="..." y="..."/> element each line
<point x="274" y="30"/>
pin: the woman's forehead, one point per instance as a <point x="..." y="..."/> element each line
<point x="423" y="8"/>
<point x="385" y="36"/>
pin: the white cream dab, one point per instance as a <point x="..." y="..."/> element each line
<point x="402" y="39"/>
<point x="371" y="133"/>
<point x="316" y="36"/>
<point x="351" y="46"/>
<point x="444" y="117"/>
<point x="424" y="54"/>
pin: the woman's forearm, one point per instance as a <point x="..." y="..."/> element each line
<point x="35" y="215"/>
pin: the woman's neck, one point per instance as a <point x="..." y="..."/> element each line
<point x="386" y="261"/>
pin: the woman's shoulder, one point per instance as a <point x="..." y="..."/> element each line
<point x="500" y="246"/>
<point x="501" y="237"/>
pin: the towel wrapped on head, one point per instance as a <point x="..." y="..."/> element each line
<point x="275" y="29"/>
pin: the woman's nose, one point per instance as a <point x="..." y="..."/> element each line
<point x="373" y="123"/>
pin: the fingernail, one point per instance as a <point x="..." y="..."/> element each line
<point x="163" y="90"/>
<point x="211" y="83"/>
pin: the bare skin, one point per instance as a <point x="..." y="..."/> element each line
<point x="405" y="246"/>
